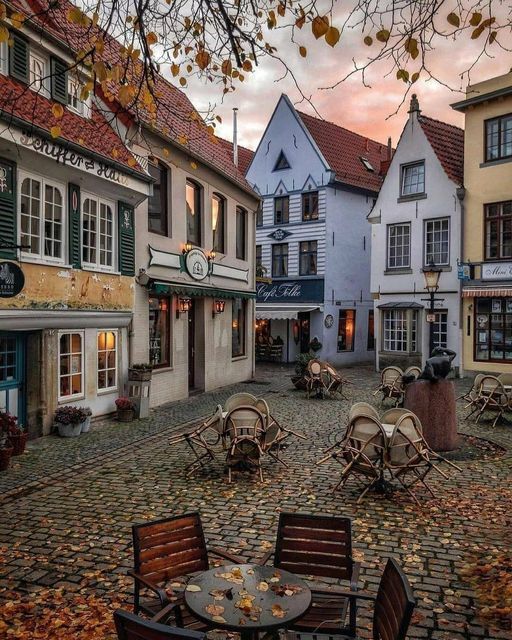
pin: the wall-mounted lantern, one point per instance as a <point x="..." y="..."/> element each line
<point x="212" y="255"/>
<point x="184" y="305"/>
<point x="295" y="330"/>
<point x="218" y="307"/>
<point x="143" y="278"/>
<point x="188" y="247"/>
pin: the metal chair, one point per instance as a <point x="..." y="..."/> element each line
<point x="131" y="627"/>
<point x="391" y="385"/>
<point x="245" y="429"/>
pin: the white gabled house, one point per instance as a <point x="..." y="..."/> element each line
<point x="416" y="221"/>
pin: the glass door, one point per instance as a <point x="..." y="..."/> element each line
<point x="12" y="375"/>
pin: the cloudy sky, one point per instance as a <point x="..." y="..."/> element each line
<point x="367" y="110"/>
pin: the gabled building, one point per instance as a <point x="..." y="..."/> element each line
<point x="487" y="243"/>
<point x="416" y="223"/>
<point x="317" y="181"/>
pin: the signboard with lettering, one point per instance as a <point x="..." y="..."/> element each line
<point x="290" y="291"/>
<point x="463" y="271"/>
<point x="12" y="279"/>
<point x="497" y="271"/>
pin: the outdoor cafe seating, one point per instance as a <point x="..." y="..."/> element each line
<point x="295" y="594"/>
<point x="489" y="394"/>
<point x="392" y="383"/>
<point x="322" y="379"/>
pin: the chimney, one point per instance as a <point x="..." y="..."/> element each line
<point x="389" y="149"/>
<point x="235" y="137"/>
<point x="415" y="105"/>
<point x="367" y="145"/>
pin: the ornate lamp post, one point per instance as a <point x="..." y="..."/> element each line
<point x="431" y="275"/>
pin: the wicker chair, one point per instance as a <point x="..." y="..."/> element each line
<point x="242" y="399"/>
<point x="362" y="408"/>
<point x="314" y="378"/>
<point x="412" y="371"/>
<point x="333" y="380"/>
<point x="245" y="430"/>
<point x="391" y="384"/>
<point x="492" y="397"/>
<point x="472" y="394"/>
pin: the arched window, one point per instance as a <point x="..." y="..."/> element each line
<point x="218" y="222"/>
<point x="194" y="213"/>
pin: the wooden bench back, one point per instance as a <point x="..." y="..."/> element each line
<point x="394" y="604"/>
<point x="131" y="627"/>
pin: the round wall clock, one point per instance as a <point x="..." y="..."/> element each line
<point x="328" y="321"/>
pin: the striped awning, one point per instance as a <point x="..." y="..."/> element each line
<point x="487" y="292"/>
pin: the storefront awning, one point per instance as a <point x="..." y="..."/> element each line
<point x="282" y="312"/>
<point x="400" y="305"/>
<point x="487" y="292"/>
<point x="161" y="287"/>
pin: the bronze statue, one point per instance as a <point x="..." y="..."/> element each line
<point x="439" y="365"/>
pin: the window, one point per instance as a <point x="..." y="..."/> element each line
<point x="258" y="259"/>
<point x="370" y="341"/>
<point x="281" y="162"/>
<point x="4" y="58"/>
<point x="241" y="233"/>
<point x="440" y="329"/>
<point x="346" y="329"/>
<point x="399" y="246"/>
<point x="97" y="233"/>
<point x="279" y="260"/>
<point x="310" y="206"/>
<point x="74" y="100"/>
<point x="107" y="360"/>
<point x="437" y="241"/>
<point x="367" y="164"/>
<point x="259" y="216"/>
<point x="38" y="73"/>
<point x="193" y="198"/>
<point x="413" y="179"/>
<point x="498" y="138"/>
<point x="42" y="219"/>
<point x="281" y="210"/>
<point x="238" y="327"/>
<point x="218" y="222"/>
<point x="400" y="330"/>
<point x="498" y="230"/>
<point x="157" y="203"/>
<point x="71" y="377"/>
<point x="160" y="331"/>
<point x="493" y="329"/>
<point x="307" y="257"/>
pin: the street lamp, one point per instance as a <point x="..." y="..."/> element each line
<point x="431" y="275"/>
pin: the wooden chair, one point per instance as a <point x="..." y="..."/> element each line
<point x="391" y="385"/>
<point x="393" y="607"/>
<point x="319" y="546"/>
<point x="492" y="397"/>
<point x="314" y="378"/>
<point x="131" y="627"/>
<point x="245" y="429"/>
<point x="198" y="441"/>
<point x="164" y="550"/>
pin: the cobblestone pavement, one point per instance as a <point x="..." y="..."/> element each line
<point x="67" y="505"/>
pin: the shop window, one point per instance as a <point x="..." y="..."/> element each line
<point x="493" y="329"/>
<point x="370" y="341"/>
<point x="498" y="138"/>
<point x="71" y="366"/>
<point x="400" y="330"/>
<point x="281" y="210"/>
<point x="310" y="206"/>
<point x="399" y="246"/>
<point x="239" y="309"/>
<point x="157" y="203"/>
<point x="107" y="360"/>
<point x="259" y="216"/>
<point x="194" y="212"/>
<point x="413" y="179"/>
<point x="42" y="219"/>
<point x="498" y="230"/>
<point x="346" y="329"/>
<point x="160" y="331"/>
<point x="279" y="260"/>
<point x="98" y="229"/>
<point x="437" y="241"/>
<point x="218" y="222"/>
<point x="308" y="258"/>
<point x="241" y="233"/>
<point x="441" y="329"/>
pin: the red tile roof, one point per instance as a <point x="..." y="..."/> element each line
<point x="447" y="141"/>
<point x="245" y="155"/>
<point x="92" y="134"/>
<point x="343" y="150"/>
<point x="176" y="118"/>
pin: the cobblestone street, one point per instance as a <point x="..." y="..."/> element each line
<point x="67" y="505"/>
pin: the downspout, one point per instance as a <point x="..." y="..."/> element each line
<point x="235" y="136"/>
<point x="461" y="194"/>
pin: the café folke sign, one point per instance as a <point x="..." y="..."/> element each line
<point x="290" y="291"/>
<point x="497" y="271"/>
<point x="72" y="159"/>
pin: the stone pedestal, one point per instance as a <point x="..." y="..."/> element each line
<point x="434" y="404"/>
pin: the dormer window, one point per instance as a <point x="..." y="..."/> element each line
<point x="75" y="103"/>
<point x="367" y="164"/>
<point x="38" y="73"/>
<point x="413" y="179"/>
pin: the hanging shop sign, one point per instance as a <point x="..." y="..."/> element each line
<point x="12" y="279"/>
<point x="290" y="291"/>
<point x="463" y="271"/>
<point x="497" y="271"/>
<point x="197" y="264"/>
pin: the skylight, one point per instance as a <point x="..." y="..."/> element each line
<point x="368" y="165"/>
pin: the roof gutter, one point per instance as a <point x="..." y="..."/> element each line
<point x="484" y="97"/>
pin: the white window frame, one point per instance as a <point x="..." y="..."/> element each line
<point x="84" y="106"/>
<point x="403" y="265"/>
<point x="403" y="175"/>
<point x="75" y="396"/>
<point x="426" y="224"/>
<point x="40" y="256"/>
<point x="96" y="266"/>
<point x="404" y="333"/>
<point x="99" y="389"/>
<point x="43" y="88"/>
<point x="4" y="58"/>
<point x="438" y="333"/>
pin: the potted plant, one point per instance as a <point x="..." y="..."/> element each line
<point x="68" y="421"/>
<point x="17" y="436"/>
<point x="301" y="365"/>
<point x="7" y="422"/>
<point x="140" y="372"/>
<point x="125" y="409"/>
<point x="86" y="424"/>
<point x="315" y="345"/>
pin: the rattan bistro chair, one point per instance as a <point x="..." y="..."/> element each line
<point x="334" y="381"/>
<point x="391" y="385"/>
<point x="245" y="430"/>
<point x="362" y="408"/>
<point x="492" y="397"/>
<point x="314" y="378"/>
<point x="242" y="399"/>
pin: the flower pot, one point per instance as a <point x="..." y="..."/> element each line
<point x="86" y="425"/>
<point x="125" y="415"/>
<point x="69" y="430"/>
<point x="18" y="441"/>
<point x="5" y="458"/>
<point x="139" y="375"/>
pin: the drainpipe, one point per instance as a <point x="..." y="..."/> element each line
<point x="461" y="194"/>
<point x="235" y="137"/>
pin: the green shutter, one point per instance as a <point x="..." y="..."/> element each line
<point x="18" y="58"/>
<point x="8" y="234"/>
<point x="74" y="225"/>
<point x="59" y="81"/>
<point x="126" y="234"/>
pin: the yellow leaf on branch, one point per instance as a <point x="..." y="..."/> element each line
<point x="332" y="36"/>
<point x="203" y="60"/>
<point x="320" y="26"/>
<point x="55" y="131"/>
<point x="303" y="51"/>
<point x="453" y="19"/>
<point x="57" y="110"/>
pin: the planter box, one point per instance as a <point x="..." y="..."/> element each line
<point x="140" y="375"/>
<point x="19" y="442"/>
<point x="5" y="458"/>
<point x="86" y="425"/>
<point x="125" y="415"/>
<point x="69" y="430"/>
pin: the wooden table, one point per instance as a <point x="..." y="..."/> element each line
<point x="264" y="603"/>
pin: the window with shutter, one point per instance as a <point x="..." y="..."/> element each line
<point x="59" y="81"/>
<point x="8" y="234"/>
<point x="126" y="236"/>
<point x="18" y="58"/>
<point x="74" y="225"/>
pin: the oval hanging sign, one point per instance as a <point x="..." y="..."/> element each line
<point x="12" y="279"/>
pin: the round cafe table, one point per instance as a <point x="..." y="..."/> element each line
<point x="232" y="618"/>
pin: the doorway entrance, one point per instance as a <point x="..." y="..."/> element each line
<point x="304" y="326"/>
<point x="191" y="345"/>
<point x="12" y="375"/>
